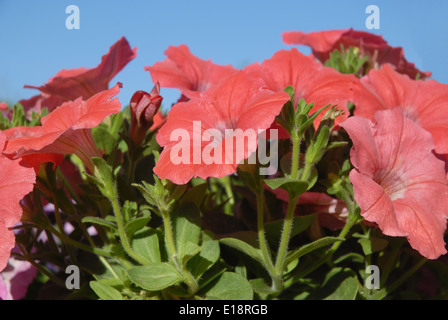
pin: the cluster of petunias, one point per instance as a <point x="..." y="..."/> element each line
<point x="398" y="127"/>
<point x="79" y="99"/>
<point x="399" y="123"/>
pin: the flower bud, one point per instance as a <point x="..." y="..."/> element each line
<point x="144" y="106"/>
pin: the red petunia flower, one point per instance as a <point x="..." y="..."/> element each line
<point x="186" y="72"/>
<point x="425" y="102"/>
<point x="380" y="52"/>
<point x="15" y="182"/>
<point x="236" y="109"/>
<point x="398" y="181"/>
<point x="311" y="80"/>
<point x="144" y="106"/>
<point x="159" y="120"/>
<point x="66" y="129"/>
<point x="68" y="85"/>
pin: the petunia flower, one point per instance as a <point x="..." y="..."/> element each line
<point x="159" y="120"/>
<point x="331" y="213"/>
<point x="15" y="182"/>
<point x="186" y="72"/>
<point x="68" y="85"/>
<point x="210" y="126"/>
<point x="425" y="102"/>
<point x="398" y="181"/>
<point x="144" y="106"/>
<point x="379" y="51"/>
<point x="311" y="80"/>
<point x="15" y="279"/>
<point x="66" y="129"/>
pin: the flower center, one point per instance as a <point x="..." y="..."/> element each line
<point x="411" y="113"/>
<point x="392" y="183"/>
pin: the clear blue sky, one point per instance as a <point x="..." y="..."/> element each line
<point x="35" y="44"/>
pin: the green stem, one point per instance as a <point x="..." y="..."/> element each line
<point x="405" y="276"/>
<point x="351" y="220"/>
<point x="40" y="268"/>
<point x="122" y="232"/>
<point x="228" y="188"/>
<point x="306" y="171"/>
<point x="286" y="234"/>
<point x="109" y="267"/>
<point x="67" y="185"/>
<point x="57" y="214"/>
<point x="391" y="262"/>
<point x="193" y="286"/>
<point x="295" y="155"/>
<point x="169" y="237"/>
<point x="77" y="244"/>
<point x="287" y="226"/>
<point x="266" y="253"/>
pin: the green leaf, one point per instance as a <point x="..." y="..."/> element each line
<point x="294" y="187"/>
<point x="176" y="191"/>
<point x="347" y="290"/>
<point x="366" y="245"/>
<point x="104" y="139"/>
<point x="230" y="286"/>
<point x="343" y="283"/>
<point x="336" y="144"/>
<point x="195" y="194"/>
<point x="261" y="287"/>
<point x="317" y="147"/>
<point x="105" y="175"/>
<point x="135" y="225"/>
<point x="339" y="284"/>
<point x="208" y="256"/>
<point x="310" y="247"/>
<point x="290" y="90"/>
<point x="148" y="194"/>
<point x="189" y="250"/>
<point x="105" y="291"/>
<point x="145" y="243"/>
<point x="155" y="277"/>
<point x="312" y="177"/>
<point x="243" y="247"/>
<point x="380" y="294"/>
<point x="186" y="227"/>
<point x="101" y="222"/>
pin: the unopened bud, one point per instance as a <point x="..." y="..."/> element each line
<point x="144" y="107"/>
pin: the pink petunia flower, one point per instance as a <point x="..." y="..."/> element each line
<point x="398" y="181"/>
<point x="15" y="279"/>
<point x="186" y="72"/>
<point x="425" y="102"/>
<point x="236" y="109"/>
<point x="15" y="182"/>
<point x="66" y="129"/>
<point x="68" y="85"/>
<point x="311" y="80"/>
<point x="380" y="52"/>
<point x="331" y="213"/>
